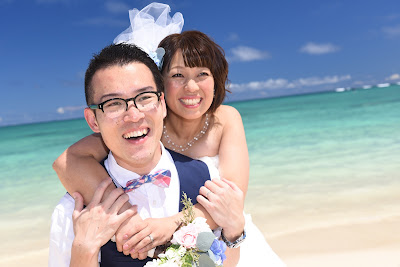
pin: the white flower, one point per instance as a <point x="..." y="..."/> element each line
<point x="181" y="251"/>
<point x="201" y="224"/>
<point x="170" y="264"/>
<point x="173" y="254"/>
<point x="153" y="263"/>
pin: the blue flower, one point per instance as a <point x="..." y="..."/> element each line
<point x="218" y="247"/>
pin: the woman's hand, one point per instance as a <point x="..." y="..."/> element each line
<point x="97" y="223"/>
<point x="223" y="200"/>
<point x="126" y="231"/>
<point x="160" y="230"/>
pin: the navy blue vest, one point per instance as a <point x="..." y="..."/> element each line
<point x="192" y="175"/>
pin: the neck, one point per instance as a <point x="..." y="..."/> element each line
<point x="184" y="129"/>
<point x="140" y="165"/>
<point x="180" y="134"/>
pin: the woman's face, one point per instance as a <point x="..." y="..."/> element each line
<point x="189" y="92"/>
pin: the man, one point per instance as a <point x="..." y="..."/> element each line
<point x="123" y="89"/>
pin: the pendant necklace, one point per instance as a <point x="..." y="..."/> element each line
<point x="185" y="147"/>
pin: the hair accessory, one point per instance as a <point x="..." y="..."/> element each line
<point x="158" y="56"/>
<point x="148" y="27"/>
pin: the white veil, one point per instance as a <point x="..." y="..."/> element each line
<point x="149" y="26"/>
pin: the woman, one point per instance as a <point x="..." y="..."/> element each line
<point x="197" y="125"/>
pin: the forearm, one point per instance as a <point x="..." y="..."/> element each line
<point x="78" y="168"/>
<point x="83" y="175"/>
<point x="200" y="211"/>
<point x="83" y="256"/>
<point x="232" y="257"/>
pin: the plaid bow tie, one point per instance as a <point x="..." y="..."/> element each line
<point x="162" y="178"/>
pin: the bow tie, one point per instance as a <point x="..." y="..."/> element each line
<point x="162" y="178"/>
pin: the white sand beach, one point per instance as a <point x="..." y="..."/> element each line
<point x="366" y="242"/>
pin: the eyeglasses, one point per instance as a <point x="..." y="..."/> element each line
<point x="116" y="106"/>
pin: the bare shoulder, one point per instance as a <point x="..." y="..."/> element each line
<point x="228" y="114"/>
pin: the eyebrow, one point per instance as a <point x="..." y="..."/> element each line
<point x="176" y="67"/>
<point x="180" y="67"/>
<point x="117" y="95"/>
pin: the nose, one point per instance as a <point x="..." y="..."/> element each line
<point x="133" y="114"/>
<point x="191" y="86"/>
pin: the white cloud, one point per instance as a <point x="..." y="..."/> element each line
<point x="313" y="81"/>
<point x="245" y="53"/>
<point x="318" y="49"/>
<point x="393" y="31"/>
<point x="393" y="77"/>
<point x="62" y="110"/>
<point x="117" y="7"/>
<point x="258" y="85"/>
<point x="272" y="84"/>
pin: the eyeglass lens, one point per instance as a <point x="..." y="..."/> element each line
<point x="143" y="102"/>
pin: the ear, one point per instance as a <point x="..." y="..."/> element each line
<point x="163" y="105"/>
<point x="91" y="120"/>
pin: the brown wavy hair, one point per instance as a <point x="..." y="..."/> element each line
<point x="199" y="50"/>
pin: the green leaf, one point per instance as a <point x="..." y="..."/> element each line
<point x="205" y="261"/>
<point x="204" y="241"/>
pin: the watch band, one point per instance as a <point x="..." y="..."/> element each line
<point x="236" y="243"/>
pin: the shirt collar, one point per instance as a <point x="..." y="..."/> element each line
<point x="122" y="175"/>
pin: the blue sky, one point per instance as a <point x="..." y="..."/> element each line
<point x="274" y="47"/>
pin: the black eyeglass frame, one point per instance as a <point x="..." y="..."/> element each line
<point x="101" y="105"/>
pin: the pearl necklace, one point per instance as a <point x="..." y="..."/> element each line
<point x="185" y="147"/>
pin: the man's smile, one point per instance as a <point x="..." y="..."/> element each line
<point x="136" y="134"/>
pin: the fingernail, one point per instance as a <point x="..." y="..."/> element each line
<point x="125" y="237"/>
<point x="125" y="246"/>
<point x="132" y="251"/>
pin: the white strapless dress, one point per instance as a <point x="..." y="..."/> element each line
<point x="255" y="251"/>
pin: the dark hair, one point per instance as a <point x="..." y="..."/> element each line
<point x="198" y="50"/>
<point x="119" y="54"/>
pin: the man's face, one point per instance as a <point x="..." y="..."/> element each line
<point x="134" y="136"/>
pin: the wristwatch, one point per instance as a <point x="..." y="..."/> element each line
<point x="236" y="243"/>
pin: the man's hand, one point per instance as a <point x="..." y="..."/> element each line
<point x="97" y="223"/>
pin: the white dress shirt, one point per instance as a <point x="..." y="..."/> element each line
<point x="152" y="201"/>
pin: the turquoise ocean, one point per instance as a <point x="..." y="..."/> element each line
<point x="316" y="160"/>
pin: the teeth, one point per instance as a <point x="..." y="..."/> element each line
<point x="136" y="133"/>
<point x="190" y="102"/>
